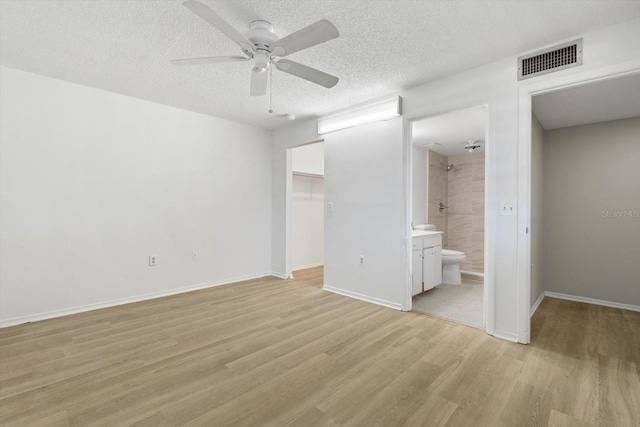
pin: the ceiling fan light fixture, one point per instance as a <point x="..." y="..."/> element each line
<point x="261" y="60"/>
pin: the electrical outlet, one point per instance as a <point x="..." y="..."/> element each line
<point x="153" y="260"/>
<point x="361" y="259"/>
<point x="194" y="256"/>
<point x="330" y="207"/>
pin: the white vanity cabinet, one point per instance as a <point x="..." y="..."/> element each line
<point x="417" y="270"/>
<point x="427" y="261"/>
<point x="431" y="267"/>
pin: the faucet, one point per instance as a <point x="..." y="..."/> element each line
<point x="442" y="207"/>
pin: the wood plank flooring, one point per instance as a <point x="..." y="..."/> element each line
<point x="271" y="352"/>
<point x="310" y="276"/>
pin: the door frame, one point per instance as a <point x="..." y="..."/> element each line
<point x="289" y="207"/>
<point x="489" y="210"/>
<point x="526" y="93"/>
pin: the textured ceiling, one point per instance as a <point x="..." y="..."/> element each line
<point x="385" y="46"/>
<point x="451" y="131"/>
<point x="593" y="103"/>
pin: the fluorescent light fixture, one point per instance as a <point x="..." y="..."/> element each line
<point x="385" y="109"/>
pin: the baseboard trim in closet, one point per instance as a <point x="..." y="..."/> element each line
<point x="604" y="303"/>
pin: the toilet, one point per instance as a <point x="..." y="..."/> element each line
<point x="451" y="261"/>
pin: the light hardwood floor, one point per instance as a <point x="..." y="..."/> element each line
<point x="284" y="353"/>
<point x="310" y="276"/>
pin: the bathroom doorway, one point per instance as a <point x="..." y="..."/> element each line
<point x="448" y="197"/>
<point x="305" y="223"/>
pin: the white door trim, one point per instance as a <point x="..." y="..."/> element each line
<point x="525" y="95"/>
<point x="489" y="210"/>
<point x="288" y="259"/>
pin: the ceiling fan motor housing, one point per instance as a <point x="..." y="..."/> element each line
<point x="261" y="34"/>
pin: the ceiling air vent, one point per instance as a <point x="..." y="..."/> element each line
<point x="556" y="58"/>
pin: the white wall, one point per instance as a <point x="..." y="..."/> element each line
<point x="308" y="159"/>
<point x="537" y="203"/>
<point x="307" y="207"/>
<point x="365" y="164"/>
<point x="495" y="85"/>
<point x="591" y="211"/>
<point x="93" y="182"/>
<point x="364" y="180"/>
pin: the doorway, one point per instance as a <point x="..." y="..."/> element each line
<point x="305" y="240"/>
<point x="585" y="206"/>
<point x="527" y="303"/>
<point x="448" y="197"/>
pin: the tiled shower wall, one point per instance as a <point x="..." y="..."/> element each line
<point x="438" y="193"/>
<point x="462" y="189"/>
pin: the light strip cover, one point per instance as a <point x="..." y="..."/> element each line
<point x="385" y="109"/>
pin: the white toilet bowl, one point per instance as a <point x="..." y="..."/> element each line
<point x="451" y="261"/>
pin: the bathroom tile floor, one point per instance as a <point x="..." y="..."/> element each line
<point x="460" y="303"/>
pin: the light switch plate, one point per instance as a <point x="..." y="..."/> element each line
<point x="507" y="208"/>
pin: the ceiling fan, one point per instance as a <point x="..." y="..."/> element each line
<point x="261" y="45"/>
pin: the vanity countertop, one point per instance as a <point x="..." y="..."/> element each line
<point x="423" y="233"/>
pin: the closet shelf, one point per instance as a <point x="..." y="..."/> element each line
<point x="310" y="175"/>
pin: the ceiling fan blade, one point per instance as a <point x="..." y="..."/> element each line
<point x="312" y="35"/>
<point x="220" y="24"/>
<point x="307" y="73"/>
<point x="208" y="60"/>
<point x="258" y="82"/>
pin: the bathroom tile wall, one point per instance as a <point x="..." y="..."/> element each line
<point x="462" y="189"/>
<point x="438" y="193"/>
<point x="477" y="211"/>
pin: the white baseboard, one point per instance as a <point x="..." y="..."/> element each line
<point x="508" y="336"/>
<point x="536" y="304"/>
<point x="472" y="273"/>
<point x="593" y="301"/>
<point x="302" y="267"/>
<point x="83" y="308"/>
<point x="365" y="298"/>
<point x="279" y="275"/>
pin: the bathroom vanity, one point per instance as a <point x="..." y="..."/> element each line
<point x="427" y="260"/>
